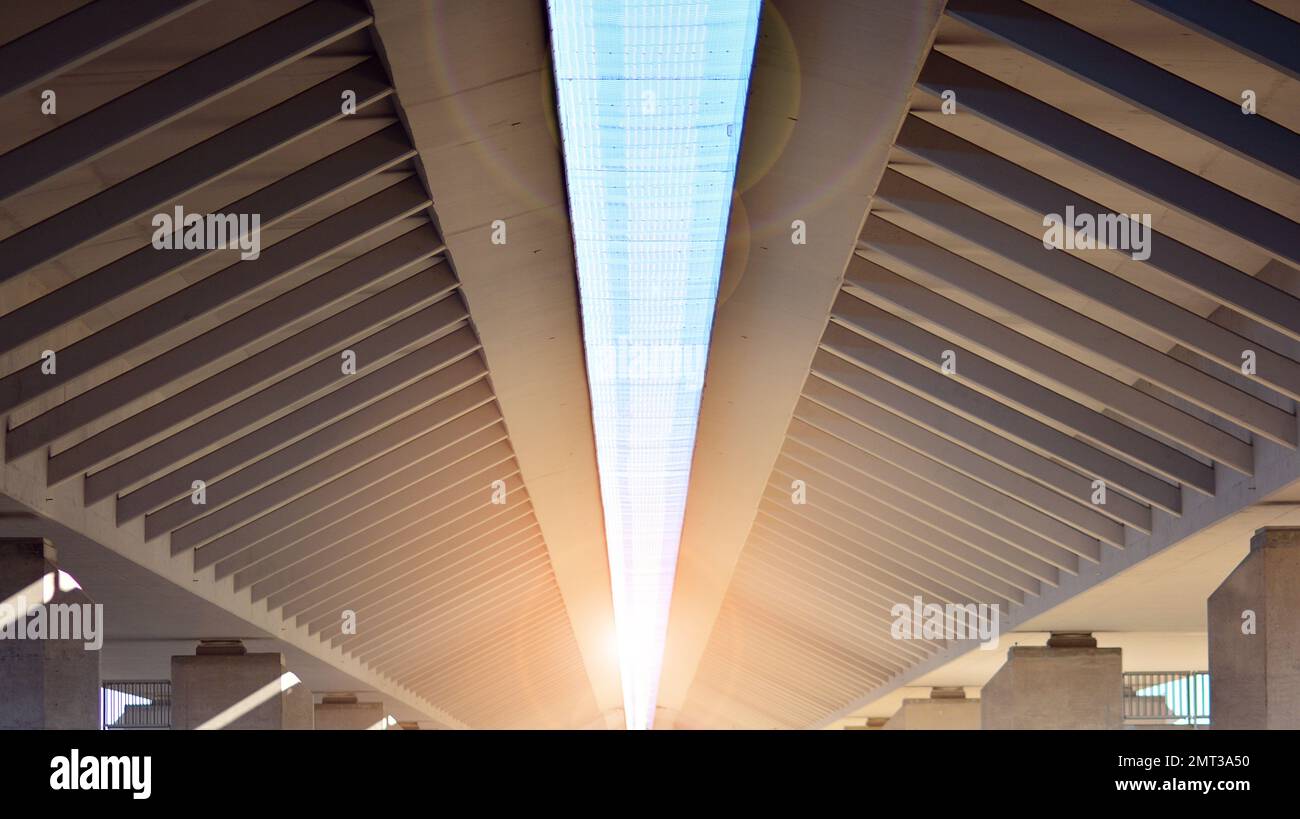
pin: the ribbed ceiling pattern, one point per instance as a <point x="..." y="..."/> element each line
<point x="976" y="485"/>
<point x="326" y="490"/>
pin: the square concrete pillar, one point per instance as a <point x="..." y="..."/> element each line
<point x="300" y="709"/>
<point x="872" y="724"/>
<point x="1254" y="635"/>
<point x="49" y="665"/>
<point x="1069" y="683"/>
<point x="342" y="712"/>
<point x="945" y="710"/>
<point x="224" y="687"/>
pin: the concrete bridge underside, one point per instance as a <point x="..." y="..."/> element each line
<point x="948" y="393"/>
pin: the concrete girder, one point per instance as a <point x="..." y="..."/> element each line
<point x="1049" y="363"/>
<point x="80" y="36"/>
<point x="407" y="555"/>
<point x="1134" y="80"/>
<point x="381" y="368"/>
<point x="898" y="509"/>
<point x="950" y="480"/>
<point x="458" y="508"/>
<point x="880" y="363"/>
<point x="306" y="247"/>
<point x="197" y="83"/>
<point x="403" y="655"/>
<point x="969" y="565"/>
<point x="1013" y="582"/>
<point x="1121" y="161"/>
<point x="466" y="434"/>
<point x="468" y="587"/>
<point x="1179" y="325"/>
<point x="414" y="484"/>
<point x="1256" y="31"/>
<point x="276" y="202"/>
<point x="480" y="600"/>
<point x="209" y="160"/>
<point x="805" y="437"/>
<point x="447" y="402"/>
<point x="885" y="287"/>
<point x="318" y="296"/>
<point x="1180" y="263"/>
<point x="894" y="565"/>
<point x="962" y="444"/>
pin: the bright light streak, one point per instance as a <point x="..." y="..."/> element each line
<point x="246" y="705"/>
<point x="652" y="101"/>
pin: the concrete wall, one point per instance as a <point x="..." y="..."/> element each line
<point x="52" y="684"/>
<point x="1255" y="670"/>
<point x="204" y="686"/>
<point x="1055" y="688"/>
<point x="936" y="715"/>
<point x="350" y="716"/>
<point x="299" y="709"/>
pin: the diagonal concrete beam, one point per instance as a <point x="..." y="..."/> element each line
<point x="933" y="562"/>
<point x="811" y="445"/>
<point x="459" y="438"/>
<point x="452" y="509"/>
<point x="202" y="81"/>
<point x="402" y="650"/>
<point x="949" y="479"/>
<point x="80" y="36"/>
<point x="300" y="467"/>
<point x="814" y="151"/>
<point x="1033" y="479"/>
<point x="430" y="598"/>
<point x="417" y="484"/>
<point x="1180" y="263"/>
<point x="522" y="292"/>
<point x="1053" y="367"/>
<point x="211" y="159"/>
<point x="1258" y="32"/>
<point x="925" y="381"/>
<point x="895" y="510"/>
<point x="362" y="274"/>
<point x="1134" y="80"/>
<point x="1177" y="324"/>
<point x="306" y="247"/>
<point x="377" y="375"/>
<point x="1121" y="161"/>
<point x="276" y="202"/>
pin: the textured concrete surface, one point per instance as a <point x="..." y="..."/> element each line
<point x="204" y="686"/>
<point x="46" y="684"/>
<point x="1255" y="672"/>
<point x="299" y="709"/>
<point x="936" y="715"/>
<point x="350" y="716"/>
<point x="1055" y="688"/>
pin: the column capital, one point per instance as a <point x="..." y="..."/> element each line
<point x="1275" y="536"/>
<point x="37" y="545"/>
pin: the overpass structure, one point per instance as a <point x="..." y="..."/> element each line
<point x="383" y="409"/>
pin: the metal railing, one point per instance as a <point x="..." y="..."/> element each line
<point x="1180" y="698"/>
<point x="135" y="705"/>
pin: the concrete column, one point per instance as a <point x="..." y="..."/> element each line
<point x="1254" y="635"/>
<point x="947" y="709"/>
<point x="224" y="687"/>
<point x="300" y="709"/>
<point x="342" y="712"/>
<point x="1069" y="683"/>
<point x="872" y="724"/>
<point x="50" y="633"/>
